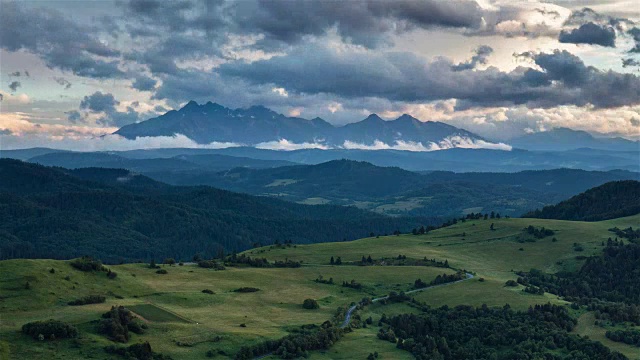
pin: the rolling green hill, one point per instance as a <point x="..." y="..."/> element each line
<point x="120" y="216"/>
<point x="394" y="191"/>
<point x="608" y="201"/>
<point x="185" y="323"/>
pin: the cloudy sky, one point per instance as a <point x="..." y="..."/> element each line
<point x="71" y="70"/>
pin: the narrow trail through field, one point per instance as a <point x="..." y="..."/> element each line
<point x="350" y="311"/>
<point x="347" y="318"/>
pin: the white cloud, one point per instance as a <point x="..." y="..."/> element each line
<point x="447" y="143"/>
<point x="286" y="145"/>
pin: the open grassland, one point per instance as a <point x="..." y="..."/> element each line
<point x="185" y="323"/>
<point x="175" y="307"/>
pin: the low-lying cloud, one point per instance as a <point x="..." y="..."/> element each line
<point x="450" y="142"/>
<point x="286" y="145"/>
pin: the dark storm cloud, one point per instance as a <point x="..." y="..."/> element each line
<point x="106" y="104"/>
<point x="284" y="22"/>
<point x="144" y="83"/>
<point x="587" y="15"/>
<point x="74" y="117"/>
<point x="480" y="58"/>
<point x="14" y="85"/>
<point x="62" y="81"/>
<point x="630" y="62"/>
<point x="590" y="33"/>
<point x="99" y="102"/>
<point x="61" y="43"/>
<point x="359" y="21"/>
<point x="563" y="79"/>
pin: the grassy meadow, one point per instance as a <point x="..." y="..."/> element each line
<point x="185" y="323"/>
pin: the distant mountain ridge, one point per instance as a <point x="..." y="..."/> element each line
<point x="563" y="139"/>
<point x="212" y="122"/>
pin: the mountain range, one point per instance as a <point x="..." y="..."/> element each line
<point x="258" y="125"/>
<point x="563" y="139"/>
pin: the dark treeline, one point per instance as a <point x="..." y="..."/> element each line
<point x="628" y="233"/>
<point x="613" y="277"/>
<point x="295" y="346"/>
<point x="629" y="336"/>
<point x="538" y="233"/>
<point x="612" y="200"/>
<point x="244" y="260"/>
<point x="465" y="332"/>
<point x="52" y="213"/>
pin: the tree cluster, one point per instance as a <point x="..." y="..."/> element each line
<point x="611" y="277"/>
<point x="49" y="330"/>
<point x="296" y="345"/>
<point x="89" y="299"/>
<point x="136" y="351"/>
<point x="465" y="332"/>
<point x="628" y="336"/>
<point x="117" y="323"/>
<point x="538" y="233"/>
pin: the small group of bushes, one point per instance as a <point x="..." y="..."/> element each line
<point x="90" y="299"/>
<point x="538" y="233"/>
<point x="87" y="264"/>
<point x="137" y="351"/>
<point x="49" y="330"/>
<point x="210" y="264"/>
<point x="117" y="323"/>
<point x="246" y="290"/>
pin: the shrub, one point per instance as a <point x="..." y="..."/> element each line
<point x="310" y="304"/>
<point x="511" y="283"/>
<point x="210" y="264"/>
<point x="50" y="329"/>
<point x="117" y="322"/>
<point x="87" y="263"/>
<point x="246" y="289"/>
<point x="111" y="274"/>
<point x="207" y="291"/>
<point x="90" y="299"/>
<point x="53" y="271"/>
<point x="137" y="351"/>
<point x="162" y="271"/>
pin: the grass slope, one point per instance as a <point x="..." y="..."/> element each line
<point x="178" y="312"/>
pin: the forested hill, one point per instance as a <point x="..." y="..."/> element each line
<point x="611" y="200"/>
<point x="119" y="216"/>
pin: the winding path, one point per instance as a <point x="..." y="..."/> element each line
<point x="347" y="318"/>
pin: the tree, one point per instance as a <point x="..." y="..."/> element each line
<point x="169" y="261"/>
<point x="339" y="261"/>
<point x="491" y="227"/>
<point x="153" y="265"/>
<point x="493" y="215"/>
<point x="332" y="262"/>
<point x="310" y="304"/>
<point x="369" y="260"/>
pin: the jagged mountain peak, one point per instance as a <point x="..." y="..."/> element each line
<point x="258" y="124"/>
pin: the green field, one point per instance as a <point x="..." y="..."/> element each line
<point x="185" y="323"/>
